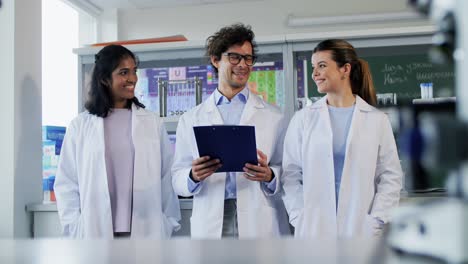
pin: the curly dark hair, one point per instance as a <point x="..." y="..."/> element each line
<point x="100" y="96"/>
<point x="228" y="36"/>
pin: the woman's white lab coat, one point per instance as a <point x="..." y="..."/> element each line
<point x="260" y="213"/>
<point x="81" y="187"/>
<point x="371" y="180"/>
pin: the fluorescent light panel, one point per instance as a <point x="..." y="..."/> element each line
<point x="294" y="21"/>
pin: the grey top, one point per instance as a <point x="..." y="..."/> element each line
<point x="119" y="165"/>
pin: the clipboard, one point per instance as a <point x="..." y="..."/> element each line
<point x="233" y="145"/>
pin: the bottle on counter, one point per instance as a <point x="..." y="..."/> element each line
<point x="48" y="189"/>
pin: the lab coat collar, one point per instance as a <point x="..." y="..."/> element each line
<point x="360" y="104"/>
<point x="139" y="110"/>
<point x="209" y="107"/>
<point x="254" y="102"/>
<point x="211" y="103"/>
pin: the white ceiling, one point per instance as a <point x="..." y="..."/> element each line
<point x="141" y="4"/>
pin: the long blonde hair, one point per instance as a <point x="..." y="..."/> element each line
<point x="360" y="76"/>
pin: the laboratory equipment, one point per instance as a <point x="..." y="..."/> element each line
<point x="426" y="90"/>
<point x="438" y="140"/>
<point x="386" y="99"/>
<point x="179" y="96"/>
<point x="48" y="189"/>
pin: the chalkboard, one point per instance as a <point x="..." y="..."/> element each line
<point x="402" y="74"/>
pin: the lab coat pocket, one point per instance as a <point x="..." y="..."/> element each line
<point x="372" y="226"/>
<point x="166" y="228"/>
<point x="298" y="224"/>
<point x="269" y="201"/>
<point x="74" y="230"/>
<point x="195" y="227"/>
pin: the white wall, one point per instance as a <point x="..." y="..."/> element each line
<point x="107" y="25"/>
<point x="267" y="17"/>
<point x="87" y="29"/>
<point x="59" y="66"/>
<point x="7" y="32"/>
<point x="20" y="113"/>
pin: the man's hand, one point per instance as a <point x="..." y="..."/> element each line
<point x="204" y="167"/>
<point x="260" y="172"/>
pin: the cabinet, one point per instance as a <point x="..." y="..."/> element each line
<point x="178" y="64"/>
<point x="284" y="59"/>
<point x="46" y="222"/>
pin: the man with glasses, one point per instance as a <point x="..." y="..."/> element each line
<point x="234" y="204"/>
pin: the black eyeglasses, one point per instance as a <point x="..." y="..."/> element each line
<point x="235" y="58"/>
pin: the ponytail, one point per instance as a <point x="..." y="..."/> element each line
<point x="362" y="83"/>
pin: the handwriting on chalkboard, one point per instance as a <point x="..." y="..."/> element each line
<point x="420" y="71"/>
<point x="394" y="74"/>
<point x="431" y="76"/>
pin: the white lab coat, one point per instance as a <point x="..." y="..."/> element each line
<point x="371" y="180"/>
<point x="81" y="186"/>
<point x="260" y="213"/>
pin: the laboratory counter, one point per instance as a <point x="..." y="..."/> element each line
<point x="46" y="223"/>
<point x="51" y="251"/>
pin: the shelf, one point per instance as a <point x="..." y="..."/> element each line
<point x="42" y="207"/>
<point x="185" y="204"/>
<point x="284" y="48"/>
<point x="437" y="100"/>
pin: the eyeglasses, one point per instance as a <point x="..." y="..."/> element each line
<point x="235" y="58"/>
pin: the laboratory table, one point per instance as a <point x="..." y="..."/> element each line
<point x="184" y="250"/>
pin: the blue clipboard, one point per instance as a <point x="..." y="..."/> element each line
<point x="233" y="145"/>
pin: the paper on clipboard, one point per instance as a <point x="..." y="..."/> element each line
<point x="233" y="145"/>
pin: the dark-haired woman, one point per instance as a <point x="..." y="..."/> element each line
<point x="113" y="177"/>
<point x="342" y="174"/>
